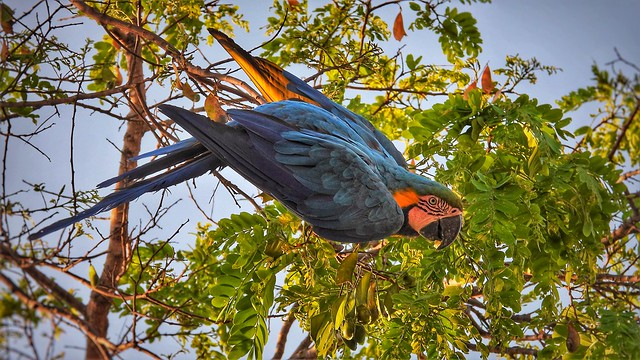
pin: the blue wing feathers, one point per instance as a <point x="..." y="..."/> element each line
<point x="372" y="136"/>
<point x="325" y="178"/>
<point x="319" y="162"/>
<point x="246" y="152"/>
<point x="297" y="165"/>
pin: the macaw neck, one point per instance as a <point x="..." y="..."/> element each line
<point x="398" y="178"/>
<point x="407" y="186"/>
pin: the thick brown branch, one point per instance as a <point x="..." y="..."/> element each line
<point x="619" y="279"/>
<point x="55" y="290"/>
<point x="304" y="350"/>
<point x="282" y="336"/>
<point x="133" y="30"/>
<point x="119" y="248"/>
<point x="628" y="226"/>
<point x="126" y="28"/>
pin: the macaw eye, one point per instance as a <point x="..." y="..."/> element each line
<point x="432" y="201"/>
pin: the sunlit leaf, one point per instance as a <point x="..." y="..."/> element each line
<point x="348" y="265"/>
<point x="398" y="27"/>
<point x="213" y="109"/>
<point x="472" y="86"/>
<point x="487" y="83"/>
<point x="188" y="92"/>
<point x="94" y="279"/>
<point x="362" y="289"/>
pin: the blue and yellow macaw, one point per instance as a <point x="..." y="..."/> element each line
<point x="326" y="164"/>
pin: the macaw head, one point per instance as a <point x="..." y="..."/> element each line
<point x="433" y="211"/>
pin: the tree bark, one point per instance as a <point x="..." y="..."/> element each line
<point x="119" y="249"/>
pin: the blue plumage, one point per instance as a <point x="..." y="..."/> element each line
<point x="326" y="164"/>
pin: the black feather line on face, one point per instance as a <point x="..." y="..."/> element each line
<point x="439" y="208"/>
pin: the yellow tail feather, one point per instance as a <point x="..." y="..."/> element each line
<point x="264" y="74"/>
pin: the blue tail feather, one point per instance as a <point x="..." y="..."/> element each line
<point x="168" y="149"/>
<point x="175" y="176"/>
<point x="176" y="157"/>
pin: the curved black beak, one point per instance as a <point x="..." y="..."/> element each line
<point x="444" y="230"/>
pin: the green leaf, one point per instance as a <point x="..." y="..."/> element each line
<point x="223" y="290"/>
<point x="362" y="289"/>
<point x="322" y="333"/>
<point x="587" y="226"/>
<point x="346" y="268"/>
<point x="239" y="350"/>
<point x="339" y="311"/>
<point x="269" y="289"/>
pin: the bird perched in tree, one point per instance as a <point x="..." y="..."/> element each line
<point x="326" y="164"/>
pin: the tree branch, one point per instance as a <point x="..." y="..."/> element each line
<point x="628" y="175"/>
<point x="623" y="131"/>
<point x="133" y="30"/>
<point x="58" y="312"/>
<point x="284" y="333"/>
<point x="628" y="226"/>
<point x="70" y="99"/>
<point x="54" y="289"/>
<point x="304" y="351"/>
<point x="399" y="90"/>
<point x="125" y="28"/>
<point x="513" y="350"/>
